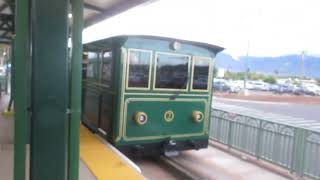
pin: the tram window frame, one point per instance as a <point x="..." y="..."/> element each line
<point x="209" y="83"/>
<point x="93" y="66"/>
<point x="111" y="61"/>
<point x="155" y="72"/>
<point x="128" y="69"/>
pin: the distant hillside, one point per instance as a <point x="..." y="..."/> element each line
<point x="289" y="65"/>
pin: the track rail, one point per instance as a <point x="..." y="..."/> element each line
<point x="176" y="167"/>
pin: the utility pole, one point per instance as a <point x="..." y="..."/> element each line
<point x="245" y="90"/>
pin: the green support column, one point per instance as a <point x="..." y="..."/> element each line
<point x="21" y="46"/>
<point x="12" y="72"/>
<point x="50" y="99"/>
<point x="76" y="88"/>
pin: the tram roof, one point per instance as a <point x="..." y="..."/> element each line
<point x="101" y="44"/>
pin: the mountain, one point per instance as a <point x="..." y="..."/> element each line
<point x="289" y="65"/>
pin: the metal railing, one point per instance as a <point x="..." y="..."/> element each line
<point x="294" y="148"/>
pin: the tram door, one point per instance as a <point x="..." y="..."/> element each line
<point x="105" y="119"/>
<point x="106" y="98"/>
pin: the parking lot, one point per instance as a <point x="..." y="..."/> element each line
<point x="300" y="108"/>
<point x="267" y="96"/>
<point x="291" y="88"/>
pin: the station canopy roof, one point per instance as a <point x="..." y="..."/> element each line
<point x="98" y="10"/>
<point x="94" y="11"/>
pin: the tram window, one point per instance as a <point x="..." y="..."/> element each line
<point x="91" y="69"/>
<point x="200" y="73"/>
<point x="90" y="73"/>
<point x="106" y="68"/>
<point x="139" y="68"/>
<point x="172" y="71"/>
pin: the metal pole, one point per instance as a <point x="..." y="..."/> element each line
<point x="12" y="77"/>
<point x="21" y="49"/>
<point x="76" y="88"/>
<point x="50" y="87"/>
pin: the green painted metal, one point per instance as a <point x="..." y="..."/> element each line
<point x="116" y="95"/>
<point x="76" y="86"/>
<point x="296" y="149"/>
<point x="12" y="73"/>
<point x="155" y="109"/>
<point x="50" y="82"/>
<point x="258" y="145"/>
<point x="21" y="49"/>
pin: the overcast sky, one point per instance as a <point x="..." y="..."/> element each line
<point x="272" y="27"/>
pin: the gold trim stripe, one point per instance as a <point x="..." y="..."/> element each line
<point x="166" y="94"/>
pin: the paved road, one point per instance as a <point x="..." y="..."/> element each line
<point x="307" y="112"/>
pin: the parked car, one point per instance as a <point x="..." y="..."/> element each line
<point x="258" y="85"/>
<point x="283" y="88"/>
<point x="297" y="90"/>
<point x="250" y="85"/>
<point x="232" y="88"/>
<point x="273" y="87"/>
<point x="226" y="86"/>
<point x="218" y="85"/>
<point x="311" y="89"/>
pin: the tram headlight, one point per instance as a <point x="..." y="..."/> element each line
<point x="140" y="118"/>
<point x="197" y="116"/>
<point x="175" y="45"/>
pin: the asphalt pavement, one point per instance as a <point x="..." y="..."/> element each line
<point x="301" y="111"/>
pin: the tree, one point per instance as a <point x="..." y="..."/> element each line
<point x="270" y="79"/>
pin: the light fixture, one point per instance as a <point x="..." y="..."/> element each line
<point x="140" y="118"/>
<point x="175" y="45"/>
<point x="197" y="116"/>
<point x="70" y="15"/>
<point x="168" y="116"/>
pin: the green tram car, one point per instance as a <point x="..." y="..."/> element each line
<point x="148" y="94"/>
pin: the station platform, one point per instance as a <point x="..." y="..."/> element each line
<point x="98" y="159"/>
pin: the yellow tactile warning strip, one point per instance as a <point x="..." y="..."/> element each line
<point x="8" y="113"/>
<point x="102" y="161"/>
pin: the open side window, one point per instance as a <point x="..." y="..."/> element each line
<point x="139" y="68"/>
